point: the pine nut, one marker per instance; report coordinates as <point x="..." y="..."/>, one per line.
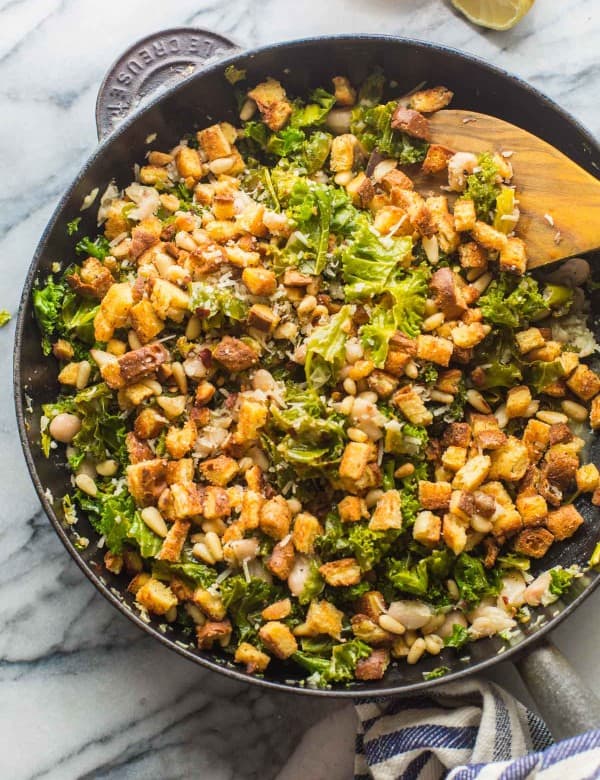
<point x="107" y="468"/>
<point x="154" y="520"/>
<point x="474" y="273"/>
<point x="217" y="526"/>
<point x="433" y="321"/>
<point x="410" y="637"/>
<point x="405" y="470"/>
<point x="64" y="427"/>
<point x="431" y="307"/>
<point x="294" y="505"/>
<point x="85" y="483"/>
<point x="193" y="328"/>
<point x="575" y="411"/>
<point x="213" y="544"/>
<point x="306" y="305"/>
<point x="83" y="374"/>
<point x="195" y="613"/>
<point x="432" y="625"/>
<point x="481" y="525"/>
<point x="411" y="369"/>
<point x="452" y="589"/>
<point x="201" y="551"/>
<point x="247" y="110"/>
<point x="172" y="406"/>
<point x="133" y="340"/>
<point x="434" y="644"/>
<point x="388" y="623"/>
<point x="482" y="282"/>
<point x="416" y="651"/>
<point x="221" y="165"/>
<point x="153" y="385"/>
<point x="286" y="331"/>
<point x="349" y="386"/>
<point x="477" y="401"/>
<point x="179" y="376"/>
<point x="373" y="497"/>
<point x="552" y="418"/>
<point x="501" y="416"/>
<point x="343" y="178"/>
<point x="345" y="405"/>
<point x="442" y="398"/>
<point x="171" y="614"/>
<point x="532" y="408"/>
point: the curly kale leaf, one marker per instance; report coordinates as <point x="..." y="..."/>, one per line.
<point x="483" y="186"/>
<point x="47" y="307"/>
<point x="215" y="305"/>
<point x="458" y="638"/>
<point x="512" y="302"/>
<point x="339" y="667"/>
<point x="315" y="111"/>
<point x="560" y="580"/>
<point x="196" y="573"/>
<point x="244" y="601"/>
<point x="473" y="582"/>
<point x="373" y="127"/>
<point x="98" y="248"/>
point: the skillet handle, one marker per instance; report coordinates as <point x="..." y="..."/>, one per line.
<point x="151" y="64"/>
<point x="564" y="700"/>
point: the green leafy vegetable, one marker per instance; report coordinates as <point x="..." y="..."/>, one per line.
<point x="408" y="577"/>
<point x="99" y="248"/>
<point x="244" y="601"/>
<point x="313" y="585"/>
<point x="483" y="186"/>
<point x="370" y="547"/>
<point x="514" y="561"/>
<point x="197" y="573"/>
<point x="458" y="638"/>
<point x="338" y="668"/>
<point x="595" y="557"/>
<point x="315" y="112"/>
<point x="234" y="75"/>
<point x="73" y="226"/>
<point x="4" y="317"/>
<point x="512" y="302"/>
<point x="436" y="673"/>
<point x="286" y="142"/>
<point x="47" y="306"/>
<point x="371" y="90"/>
<point x="325" y="349"/>
<point x="472" y="580"/>
<point x="539" y="374"/>
<point x="372" y="125"/>
<point x="214" y="305"/>
<point x="560" y="580"/>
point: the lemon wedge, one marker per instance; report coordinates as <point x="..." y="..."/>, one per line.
<point x="495" y="14"/>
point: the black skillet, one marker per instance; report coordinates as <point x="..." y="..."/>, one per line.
<point x="189" y="99"/>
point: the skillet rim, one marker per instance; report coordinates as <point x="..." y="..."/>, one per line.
<point x="19" y="381"/>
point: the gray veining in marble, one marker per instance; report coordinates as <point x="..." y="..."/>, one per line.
<point x="83" y="694"/>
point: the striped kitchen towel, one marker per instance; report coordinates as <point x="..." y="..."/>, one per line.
<point x="466" y="730"/>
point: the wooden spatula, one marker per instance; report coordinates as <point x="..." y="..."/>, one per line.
<point x="559" y="201"/>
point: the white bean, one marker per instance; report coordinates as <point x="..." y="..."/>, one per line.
<point x="412" y="614"/>
<point x="64" y="427"/>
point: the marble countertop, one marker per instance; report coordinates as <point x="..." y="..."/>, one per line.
<point x="83" y="693"/>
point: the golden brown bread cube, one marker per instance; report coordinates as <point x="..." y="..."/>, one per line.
<point x="306" y="529"/>
<point x="340" y="573"/>
<point x="259" y="281"/>
<point x="321" y="618"/>
<point x="434" y="495"/>
<point x="355" y="458"/>
<point x="595" y="414"/>
<point x="156" y="597"/>
<point x="471" y="255"/>
<point x="278" y="639"/>
<point x="254" y="659"/>
<point x="473" y="473"/>
<point x="388" y="512"/>
<point x="270" y="97"/>
<point x="434" y="349"/>
<point x="214" y="142"/>
<point x="588" y="478"/>
<point x="278" y="610"/>
<point x="532" y="508"/>
<point x="114" y="311"/>
<point x="179" y="471"/>
<point x="448" y="294"/>
<point x="427" y="528"/>
<point x="464" y="215"/>
<point x="252" y="416"/>
<point x="174" y="541"/>
<point x="146" y="323"/>
<point x="533" y="542"/>
<point x="360" y="190"/>
<point x="432" y="99"/>
<point x="489" y="237"/>
<point x="275" y="517"/>
<point x="454" y="531"/>
<point x="584" y="382"/>
<point x="345" y="94"/>
<point x="529" y="339"/>
<point x="210" y="603"/>
<point x="281" y="561"/>
<point x="179" y="441"/>
<point x="454" y="458"/>
<point x="563" y="522"/>
<point x="147" y="480"/>
<point x="235" y="355"/>
<point x="352" y="509"/>
<point x="412" y="406"/>
<point x="220" y="470"/>
<point x="510" y="462"/>
<point x="517" y="401"/>
<point x="436" y="159"/>
<point x="513" y="257"/>
<point x="342" y="152"/>
<point x="536" y="437"/>
<point x="189" y="164"/>
<point x="149" y="423"/>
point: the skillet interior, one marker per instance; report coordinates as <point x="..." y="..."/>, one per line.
<point x="207" y="97"/>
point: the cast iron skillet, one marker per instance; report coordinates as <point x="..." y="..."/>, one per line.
<point x="205" y="97"/>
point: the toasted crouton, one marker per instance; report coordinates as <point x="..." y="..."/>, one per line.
<point x="352" y="509"/>
<point x="434" y="349"/>
<point x="210" y="603"/>
<point x="532" y="508"/>
<point x="427" y="529"/>
<point x="488" y="237"/>
<point x="214" y="142"/>
<point x="343" y="148"/>
<point x="446" y="288"/>
<point x="373" y="667"/>
<point x="588" y="478"/>
<point x="584" y="382"/>
<point x="114" y="311"/>
<point x="454" y="531"/>
<point x="281" y="561"/>
<point x="434" y="495"/>
<point x="436" y="159"/>
<point x="340" y="573"/>
<point x="213" y="631"/>
<point x="412" y="406"/>
<point x="321" y="618"/>
<point x="454" y="458"/>
<point x="563" y="522"/>
<point x="149" y="424"/>
<point x="235" y="355"/>
<point x="473" y="473"/>
<point x="464" y="215"/>
<point x="279" y="610"/>
<point x="457" y="435"/>
<point x="354" y="459"/>
<point x="345" y="94"/>
<point x="147" y="480"/>
<point x="429" y="100"/>
<point x="388" y="512"/>
<point x="189" y="164"/>
<point x="529" y="339"/>
<point x="471" y="255"/>
<point x="179" y="441"/>
<point x="595" y="414"/>
<point x="259" y="281"/>
<point x="270" y="97"/>
<point x="156" y="597"/>
<point x="468" y="336"/>
<point x="174" y="541"/>
<point x="510" y="462"/>
<point x="275" y="517"/>
<point x="220" y="470"/>
<point x="278" y="639"/>
<point x="534" y="542"/>
<point x="513" y="258"/>
<point x="536" y="437"/>
<point x="145" y="321"/>
<point x="306" y="529"/>
<point x="517" y="401"/>
<point x="186" y="499"/>
<point x="94" y="279"/>
<point x="179" y="471"/>
<point x="254" y="659"/>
